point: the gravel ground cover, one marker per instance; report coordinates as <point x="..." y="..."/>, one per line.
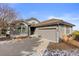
<point x="58" y="52"/>
<point x="61" y="49"/>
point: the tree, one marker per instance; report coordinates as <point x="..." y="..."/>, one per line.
<point x="7" y="15"/>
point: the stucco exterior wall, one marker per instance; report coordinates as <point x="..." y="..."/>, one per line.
<point x="63" y="30"/>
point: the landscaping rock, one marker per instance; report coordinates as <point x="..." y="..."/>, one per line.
<point x="62" y="53"/>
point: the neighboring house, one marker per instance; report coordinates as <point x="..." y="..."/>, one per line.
<point x="32" y="20"/>
<point x="53" y="29"/>
<point x="23" y="27"/>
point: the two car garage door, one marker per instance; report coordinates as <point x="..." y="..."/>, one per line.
<point x="48" y="33"/>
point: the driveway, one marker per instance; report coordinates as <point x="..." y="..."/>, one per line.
<point x="18" y="48"/>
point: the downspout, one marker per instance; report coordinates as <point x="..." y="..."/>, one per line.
<point x="58" y="34"/>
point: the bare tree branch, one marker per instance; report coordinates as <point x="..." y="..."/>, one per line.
<point x="7" y="13"/>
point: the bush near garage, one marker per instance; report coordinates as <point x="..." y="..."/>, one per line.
<point x="76" y="35"/>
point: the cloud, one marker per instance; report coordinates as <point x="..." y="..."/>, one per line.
<point x="50" y="17"/>
<point x="67" y="17"/>
<point x="73" y="17"/>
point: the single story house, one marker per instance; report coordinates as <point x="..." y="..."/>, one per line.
<point x="52" y="29"/>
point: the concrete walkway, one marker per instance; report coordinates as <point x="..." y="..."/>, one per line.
<point x="42" y="47"/>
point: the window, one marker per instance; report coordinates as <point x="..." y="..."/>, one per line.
<point x="33" y="22"/>
<point x="68" y="30"/>
<point x="21" y="29"/>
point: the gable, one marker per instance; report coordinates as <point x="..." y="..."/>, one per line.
<point x="33" y="22"/>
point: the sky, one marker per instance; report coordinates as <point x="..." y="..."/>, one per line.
<point x="43" y="11"/>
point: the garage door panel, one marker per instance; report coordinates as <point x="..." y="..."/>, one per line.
<point x="48" y="34"/>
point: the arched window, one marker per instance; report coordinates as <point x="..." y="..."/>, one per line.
<point x="22" y="28"/>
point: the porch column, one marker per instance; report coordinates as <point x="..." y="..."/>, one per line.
<point x="28" y="30"/>
<point x="21" y="30"/>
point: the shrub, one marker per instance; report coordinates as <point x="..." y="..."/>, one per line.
<point x="3" y="31"/>
<point x="76" y="35"/>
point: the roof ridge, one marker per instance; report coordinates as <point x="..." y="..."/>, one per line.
<point x="32" y="18"/>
